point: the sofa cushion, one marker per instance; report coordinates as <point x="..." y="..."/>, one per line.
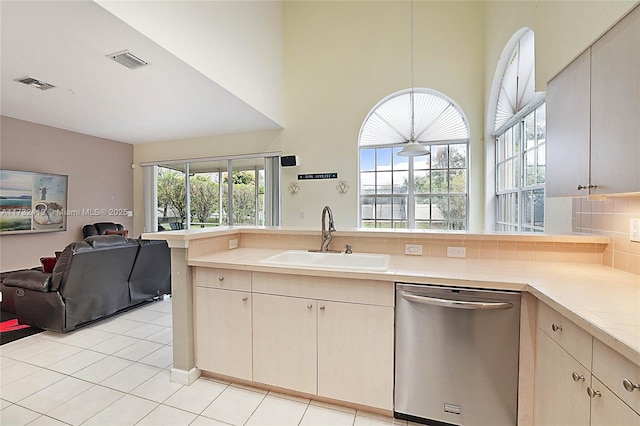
<point x="102" y="227"/>
<point x="104" y="241"/>
<point x="30" y="280"/>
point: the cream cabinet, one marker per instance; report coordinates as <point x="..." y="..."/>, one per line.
<point x="578" y="379"/>
<point x="615" y="375"/>
<point x="285" y="342"/>
<point x="355" y="353"/>
<point x="559" y="399"/>
<point x="223" y="322"/>
<point x="615" y="108"/>
<point x="607" y="409"/>
<point x="568" y="129"/>
<point x="324" y="336"/>
<point x="593" y="107"/>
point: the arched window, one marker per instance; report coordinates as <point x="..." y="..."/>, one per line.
<point x="520" y="137"/>
<point x="423" y="192"/>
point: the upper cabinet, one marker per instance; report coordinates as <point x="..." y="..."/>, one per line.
<point x="615" y="108"/>
<point x="593" y="117"/>
<point x="568" y="124"/>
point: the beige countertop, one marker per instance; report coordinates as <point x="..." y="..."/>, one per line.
<point x="602" y="300"/>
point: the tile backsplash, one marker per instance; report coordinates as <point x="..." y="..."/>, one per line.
<point x="611" y="217"/>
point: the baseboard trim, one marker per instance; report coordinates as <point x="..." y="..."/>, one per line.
<point x="184" y="377"/>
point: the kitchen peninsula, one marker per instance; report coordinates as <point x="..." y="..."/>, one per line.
<point x="557" y="275"/>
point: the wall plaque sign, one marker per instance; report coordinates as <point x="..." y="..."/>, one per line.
<point x="309" y="176"/>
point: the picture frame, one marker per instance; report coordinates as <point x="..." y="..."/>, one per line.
<point x="32" y="202"/>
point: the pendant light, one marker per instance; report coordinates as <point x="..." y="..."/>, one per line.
<point x="413" y="148"/>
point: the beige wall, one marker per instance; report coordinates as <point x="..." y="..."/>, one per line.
<point x="100" y="177"/>
<point x="611" y="217"/>
<point x="341" y="58"/>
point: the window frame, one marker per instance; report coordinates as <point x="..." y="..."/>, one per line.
<point x="410" y="208"/>
<point x="270" y="213"/>
<point x="439" y="121"/>
<point x="519" y="220"/>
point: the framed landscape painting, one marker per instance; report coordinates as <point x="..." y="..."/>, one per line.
<point x="32" y="202"/>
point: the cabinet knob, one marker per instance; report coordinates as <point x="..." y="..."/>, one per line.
<point x="221" y="278"/>
<point x="630" y="386"/>
<point x="244" y="299"/>
<point x="577" y="377"/>
<point x="322" y="308"/>
<point x="592" y="392"/>
<point x="556" y="327"/>
<point x="590" y="186"/>
<point x="309" y="306"/>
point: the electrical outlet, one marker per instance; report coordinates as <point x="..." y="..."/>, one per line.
<point x="456" y="252"/>
<point x="634" y="230"/>
<point x="233" y="243"/>
<point x="413" y="249"/>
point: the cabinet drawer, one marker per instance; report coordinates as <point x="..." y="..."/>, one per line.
<point x="335" y="289"/>
<point x="607" y="409"/>
<point x="612" y="369"/>
<point x="230" y="279"/>
<point x="572" y="338"/>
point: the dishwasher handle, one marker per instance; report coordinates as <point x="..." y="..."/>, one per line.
<point x="457" y="304"/>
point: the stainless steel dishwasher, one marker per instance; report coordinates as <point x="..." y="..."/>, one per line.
<point x="456" y="355"/>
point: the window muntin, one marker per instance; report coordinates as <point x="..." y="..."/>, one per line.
<point x="520" y="174"/>
<point x="432" y="188"/>
<point x="425" y="192"/>
<point x="520" y="132"/>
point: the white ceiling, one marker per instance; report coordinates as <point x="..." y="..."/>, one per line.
<point x="65" y="42"/>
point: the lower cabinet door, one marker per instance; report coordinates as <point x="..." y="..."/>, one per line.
<point x="284" y="342"/>
<point x="559" y="399"/>
<point x="355" y="353"/>
<point x="607" y="409"/>
<point x="223" y="332"/>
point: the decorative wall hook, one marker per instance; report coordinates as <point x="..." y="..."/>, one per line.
<point x="294" y="188"/>
<point x="342" y="187"/>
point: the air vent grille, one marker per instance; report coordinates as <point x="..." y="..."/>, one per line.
<point x="128" y="59"/>
<point x="34" y="82"/>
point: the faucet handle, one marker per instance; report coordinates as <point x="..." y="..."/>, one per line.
<point x="347" y="249"/>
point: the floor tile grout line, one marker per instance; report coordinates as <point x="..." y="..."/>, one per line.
<point x="305" y="412"/>
<point x="93" y="384"/>
<point x="91" y="349"/>
<point x="79" y="378"/>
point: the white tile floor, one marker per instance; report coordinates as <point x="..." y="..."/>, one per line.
<point x="116" y="372"/>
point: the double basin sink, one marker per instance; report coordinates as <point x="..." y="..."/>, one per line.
<point x="331" y="261"/>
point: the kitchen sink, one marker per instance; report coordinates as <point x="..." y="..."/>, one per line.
<point x="321" y="260"/>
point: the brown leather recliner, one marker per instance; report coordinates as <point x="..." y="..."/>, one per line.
<point x="100" y="228"/>
<point x="92" y="279"/>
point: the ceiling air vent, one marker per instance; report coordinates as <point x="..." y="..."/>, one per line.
<point x="127" y="59"/>
<point x="34" y="82"/>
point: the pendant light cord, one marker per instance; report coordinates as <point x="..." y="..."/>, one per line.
<point x="413" y="114"/>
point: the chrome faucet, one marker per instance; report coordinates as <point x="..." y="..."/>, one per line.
<point x="326" y="233"/>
